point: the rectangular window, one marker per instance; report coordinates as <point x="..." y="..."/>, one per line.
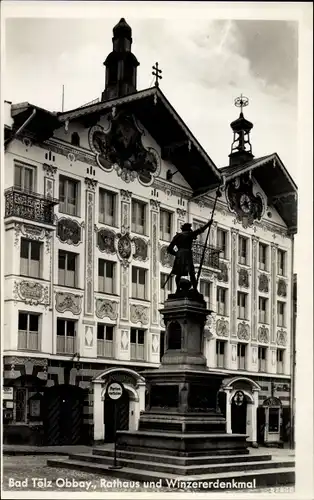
<point x="281" y="309"/>
<point x="137" y="344"/>
<point x="205" y="290"/>
<point x="68" y="195"/>
<point x="106" y="276"/>
<point x="66" y="336"/>
<point x="28" y="331"/>
<point x="196" y="225"/>
<point x="105" y="340"/>
<point x="221" y="301"/>
<point x="139" y="287"/>
<point x="262" y="359"/>
<point x="30" y="257"/>
<point x="165" y="225"/>
<point x="243" y="250"/>
<point x="107" y="207"/>
<point x="241" y="352"/>
<point x="222" y="243"/>
<point x="280" y="361"/>
<point x="67" y="269"/>
<point x="242" y="305"/>
<point x="24" y="177"/>
<point x="220" y="353"/>
<point x="281" y="262"/>
<point x="262" y="310"/>
<point x="138" y="217"/>
<point x="164" y="291"/>
<point x="262" y="256"/>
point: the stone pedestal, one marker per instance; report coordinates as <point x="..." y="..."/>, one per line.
<point x="182" y="416"/>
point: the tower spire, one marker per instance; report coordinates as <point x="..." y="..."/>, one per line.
<point x="121" y="64"/>
<point x="241" y="148"/>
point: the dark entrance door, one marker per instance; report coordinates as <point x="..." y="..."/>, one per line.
<point x="260" y="422"/>
<point x="238" y="413"/>
<point x="122" y="415"/>
<point x="63" y="415"/>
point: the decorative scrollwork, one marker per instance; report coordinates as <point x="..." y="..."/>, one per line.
<point x="124" y="246"/>
<point x="282" y="337"/>
<point x="141" y="249"/>
<point x="243" y="331"/>
<point x="263" y="334"/>
<point x="106" y="308"/>
<point x="165" y="258"/>
<point x="69" y="231"/>
<point x="106" y="241"/>
<point x="222" y="328"/>
<point x="139" y="314"/>
<point x="243" y="278"/>
<point x="282" y="288"/>
<point x="263" y="283"/>
<point x="68" y="302"/>
<point x="31" y="293"/>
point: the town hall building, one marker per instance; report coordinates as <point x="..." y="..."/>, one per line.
<point x="93" y="197"/>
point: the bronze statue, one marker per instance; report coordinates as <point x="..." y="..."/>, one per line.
<point x="183" y="264"/>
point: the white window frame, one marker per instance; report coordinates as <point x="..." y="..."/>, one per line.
<point x="281" y="318"/>
<point x="26" y="343"/>
<point x="105" y="207"/>
<point x="221" y="305"/>
<point x="242" y="309"/>
<point x="241" y="360"/>
<point x="138" y="223"/>
<point x="65" y="281"/>
<point x="137" y="348"/>
<point x="104" y="280"/>
<point x="105" y="346"/>
<point x="221" y="357"/>
<point x="262" y="360"/>
<point x="243" y="255"/>
<point x="136" y="290"/>
<point x="24" y="167"/>
<point x="222" y="245"/>
<point x="28" y="265"/>
<point x="262" y="313"/>
<point x="66" y="343"/>
<point x="65" y="206"/>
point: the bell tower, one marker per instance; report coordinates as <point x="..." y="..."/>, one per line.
<point x="121" y="64"/>
<point x="241" y="148"/>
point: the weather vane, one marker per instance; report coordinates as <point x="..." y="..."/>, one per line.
<point x="157" y="73"/>
<point x="241" y="102"/>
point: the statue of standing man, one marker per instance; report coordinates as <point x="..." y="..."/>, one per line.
<point x="181" y="248"/>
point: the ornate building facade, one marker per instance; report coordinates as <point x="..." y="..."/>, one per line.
<point x="93" y="197"/>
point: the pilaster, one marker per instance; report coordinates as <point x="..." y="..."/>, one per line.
<point x="154" y="265"/>
<point x="233" y="282"/>
<point x="89" y="246"/>
<point x="254" y="310"/>
<point x="273" y="293"/>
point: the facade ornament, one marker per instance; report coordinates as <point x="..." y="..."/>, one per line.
<point x="90" y="184"/>
<point x="243" y="278"/>
<point x="68" y="302"/>
<point x="263" y="335"/>
<point x="139" y="314"/>
<point x="263" y="283"/>
<point x="141" y="249"/>
<point x="166" y="259"/>
<point x="69" y="231"/>
<point x="49" y="170"/>
<point x="181" y="213"/>
<point x="106" y="308"/>
<point x="125" y="195"/>
<point x="155" y="204"/>
<point x="282" y="337"/>
<point x="243" y="331"/>
<point x="282" y="288"/>
<point x="71" y="157"/>
<point x="106" y="240"/>
<point x="222" y="328"/>
<point x="246" y="205"/>
<point x="124" y="247"/>
<point x="31" y="293"/>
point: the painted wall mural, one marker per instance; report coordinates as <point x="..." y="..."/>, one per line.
<point x="243" y="331"/>
<point x="263" y="283"/>
<point x="243" y="278"/>
<point x="246" y="205"/>
<point x="106" y="240"/>
<point x="263" y="335"/>
<point x="68" y="302"/>
<point x="106" y="308"/>
<point x="69" y="231"/>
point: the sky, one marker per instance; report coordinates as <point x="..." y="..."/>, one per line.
<point x="206" y="64"/>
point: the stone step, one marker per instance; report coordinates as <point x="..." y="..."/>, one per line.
<point x="177" y="460"/>
<point x="180" y="454"/>
<point x="180" y="469"/>
<point x="259" y="478"/>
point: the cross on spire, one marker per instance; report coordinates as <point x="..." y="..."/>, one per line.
<point x="241" y="102"/>
<point x="157" y="74"/>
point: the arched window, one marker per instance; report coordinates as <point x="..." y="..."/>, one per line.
<point x="75" y="139"/>
<point x="174" y="335"/>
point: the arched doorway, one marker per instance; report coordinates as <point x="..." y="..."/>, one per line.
<point x="122" y="415"/>
<point x="131" y="403"/>
<point x="238" y="413"/>
<point x="63" y="415"/>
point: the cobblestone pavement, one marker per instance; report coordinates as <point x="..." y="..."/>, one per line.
<point x="20" y="473"/>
